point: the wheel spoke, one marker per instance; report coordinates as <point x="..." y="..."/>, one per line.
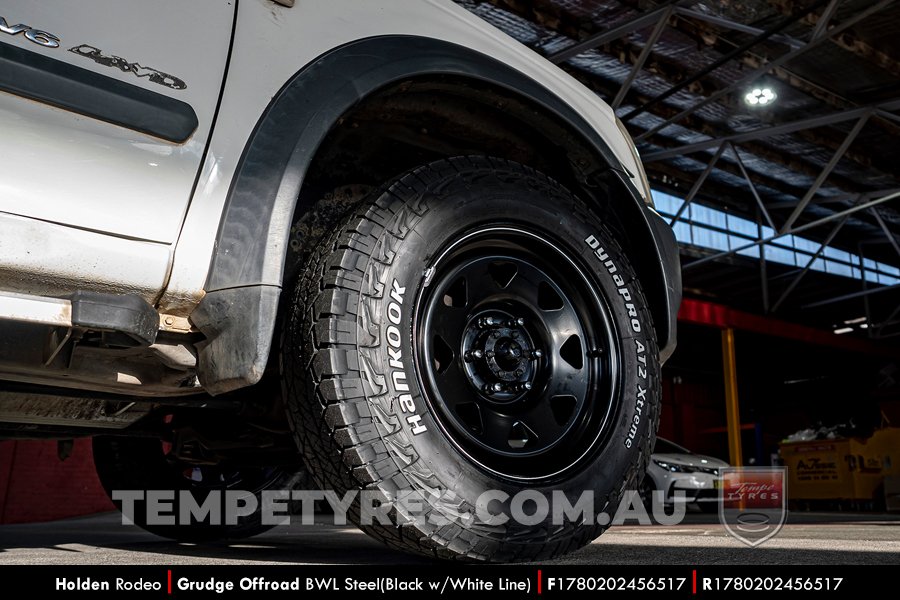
<point x="453" y="386"/>
<point x="502" y="272"/>
<point x="485" y="280"/>
<point x="448" y="323"/>
<point x="561" y="325"/>
<point x="524" y="286"/>
<point x="549" y="298"/>
<point x="471" y="415"/>
<point x="443" y="355"/>
<point x="567" y="380"/>
<point x="541" y="420"/>
<point x="497" y="428"/>
<point x="457" y="294"/>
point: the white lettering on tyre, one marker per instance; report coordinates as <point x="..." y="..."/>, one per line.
<point x="622" y="290"/>
<point x="395" y="360"/>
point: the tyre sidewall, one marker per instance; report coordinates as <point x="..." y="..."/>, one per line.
<point x="429" y="220"/>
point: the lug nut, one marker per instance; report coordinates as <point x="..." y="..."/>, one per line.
<point x="487" y="389"/>
<point x="527" y="385"/>
<point x="519" y="372"/>
<point x="537" y="353"/>
<point x="498" y="387"/>
<point x="473" y="354"/>
<point x="520" y="321"/>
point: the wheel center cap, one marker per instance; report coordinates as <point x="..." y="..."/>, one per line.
<point x="500" y="356"/>
<point x="504" y="356"/>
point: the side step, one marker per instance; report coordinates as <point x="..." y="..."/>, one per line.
<point x="126" y="313"/>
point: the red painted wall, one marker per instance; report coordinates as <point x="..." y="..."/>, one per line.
<point x="36" y="486"/>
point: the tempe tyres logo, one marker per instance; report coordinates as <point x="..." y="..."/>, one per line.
<point x="753" y="503"/>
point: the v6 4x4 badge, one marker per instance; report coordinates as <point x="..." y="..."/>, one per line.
<point x="96" y="55"/>
<point x="42" y="38"/>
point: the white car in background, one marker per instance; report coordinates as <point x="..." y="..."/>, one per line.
<point x="675" y="469"/>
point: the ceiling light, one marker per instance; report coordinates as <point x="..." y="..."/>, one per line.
<point x="760" y="96"/>
<point x="855" y="321"/>
<point x="843" y="330"/>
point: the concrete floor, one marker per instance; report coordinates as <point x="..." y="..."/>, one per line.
<point x="808" y="538"/>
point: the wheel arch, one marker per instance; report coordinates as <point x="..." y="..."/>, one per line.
<point x="282" y="166"/>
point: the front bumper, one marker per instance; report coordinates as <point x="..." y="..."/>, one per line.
<point x="696" y="487"/>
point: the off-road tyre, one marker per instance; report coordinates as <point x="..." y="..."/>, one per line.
<point x="355" y="359"/>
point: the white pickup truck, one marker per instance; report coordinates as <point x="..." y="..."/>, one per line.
<point x="377" y="238"/>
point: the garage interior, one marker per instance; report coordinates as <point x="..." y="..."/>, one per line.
<point x="769" y="132"/>
<point x="768" y="129"/>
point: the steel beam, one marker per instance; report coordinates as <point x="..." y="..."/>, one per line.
<point x="698" y="184"/>
<point x="604" y="37"/>
<point x="793" y="231"/>
<point x="855" y="197"/>
<point x="838" y="155"/>
<point x="796" y="281"/>
<point x="891" y="320"/>
<point x="823" y="21"/>
<point x="722" y="60"/>
<point x="735" y="26"/>
<point x="642" y="58"/>
<point x="887" y="232"/>
<point x="763" y="266"/>
<point x="867" y="306"/>
<point x="888" y="115"/>
<point x="862" y="294"/>
<point x="756" y="196"/>
<point x="764" y="132"/>
<point x="777" y="62"/>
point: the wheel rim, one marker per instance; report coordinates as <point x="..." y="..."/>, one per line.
<point x="515" y="353"/>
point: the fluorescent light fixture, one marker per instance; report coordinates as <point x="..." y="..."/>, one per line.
<point x="843" y="330"/>
<point x="855" y="321"/>
<point x="760" y="96"/>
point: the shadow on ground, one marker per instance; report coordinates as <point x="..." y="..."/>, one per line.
<point x="102" y="539"/>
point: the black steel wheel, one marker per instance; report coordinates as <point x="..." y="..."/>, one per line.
<point x="473" y="329"/>
<point x="517" y="357"/>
